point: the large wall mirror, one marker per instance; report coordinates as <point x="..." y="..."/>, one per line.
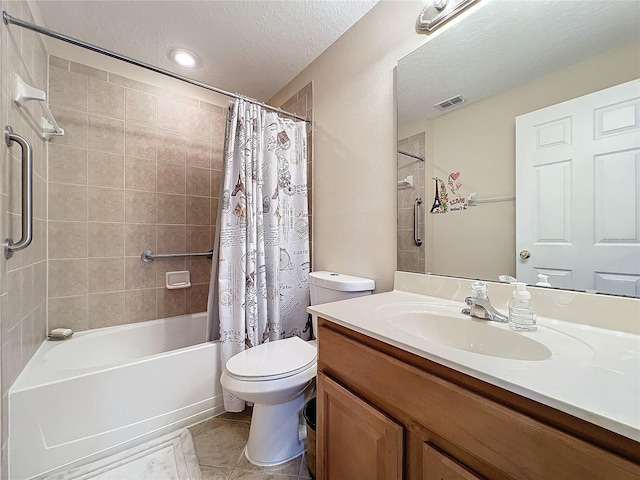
<point x="519" y="146"/>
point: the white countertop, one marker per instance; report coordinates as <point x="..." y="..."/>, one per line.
<point x="593" y="373"/>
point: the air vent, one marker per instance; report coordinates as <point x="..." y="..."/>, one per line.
<point x="450" y="102"/>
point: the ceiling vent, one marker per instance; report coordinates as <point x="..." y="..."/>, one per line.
<point x="450" y="102"/>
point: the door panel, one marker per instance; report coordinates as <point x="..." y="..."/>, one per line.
<point x="578" y="192"/>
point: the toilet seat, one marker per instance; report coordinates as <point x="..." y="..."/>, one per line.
<point x="272" y="360"/>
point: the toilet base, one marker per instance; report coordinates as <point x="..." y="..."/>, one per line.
<point x="273" y="435"/>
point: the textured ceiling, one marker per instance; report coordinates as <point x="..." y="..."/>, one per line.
<point x="507" y="43"/>
<point x="251" y="47"/>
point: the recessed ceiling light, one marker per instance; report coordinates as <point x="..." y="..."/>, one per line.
<point x="183" y="57"/>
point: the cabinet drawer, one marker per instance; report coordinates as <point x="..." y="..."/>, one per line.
<point x="438" y="466"/>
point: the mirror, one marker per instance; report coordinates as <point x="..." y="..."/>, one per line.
<point x="503" y="61"/>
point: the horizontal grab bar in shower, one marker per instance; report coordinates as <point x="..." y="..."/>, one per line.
<point x="411" y="155"/>
<point x="149" y="256"/>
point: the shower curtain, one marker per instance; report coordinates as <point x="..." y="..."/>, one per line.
<point x="259" y="282"/>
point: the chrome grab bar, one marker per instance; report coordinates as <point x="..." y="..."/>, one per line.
<point x="148" y="256"/>
<point x="416" y="204"/>
<point x="27" y="192"/>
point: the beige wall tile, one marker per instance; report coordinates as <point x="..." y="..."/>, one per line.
<point x="106" y="309"/>
<point x="88" y="71"/>
<point x="171" y="209"/>
<point x="28" y="290"/>
<point x="67" y="239"/>
<point x="171" y="115"/>
<point x="33" y="332"/>
<point x="200" y="268"/>
<point x="106" y="99"/>
<point x="172" y="147"/>
<point x="168" y="265"/>
<point x="216" y="182"/>
<point x="139" y="238"/>
<point x="68" y="89"/>
<point x="106" y="239"/>
<point x="67" y="202"/>
<point x="210" y="107"/>
<point x="171" y="178"/>
<point x="198" y="123"/>
<point x="141" y="108"/>
<point x="171" y="302"/>
<point x="124" y="81"/>
<point x="140" y="174"/>
<point x="198" y="152"/>
<point x="106" y="204"/>
<point x="68" y="312"/>
<point x="172" y="239"/>
<point x="140" y="305"/>
<point x="67" y="277"/>
<point x="76" y="127"/>
<point x="139" y="274"/>
<point x="106" y="274"/>
<point x="140" y="141"/>
<point x="198" y="210"/>
<point x="198" y="239"/>
<point x="106" y="169"/>
<point x="67" y="164"/>
<point x="106" y="134"/>
<point x="198" y="181"/>
<point x="214" y="211"/>
<point x="197" y="296"/>
<point x="140" y="207"/>
<point x="58" y="62"/>
<point x="13" y="313"/>
<point x="11" y="357"/>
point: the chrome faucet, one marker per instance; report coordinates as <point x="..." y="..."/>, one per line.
<point x="480" y="305"/>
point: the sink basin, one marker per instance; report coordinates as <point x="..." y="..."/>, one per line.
<point x="445" y="325"/>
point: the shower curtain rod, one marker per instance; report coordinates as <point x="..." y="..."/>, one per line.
<point x="50" y="33"/>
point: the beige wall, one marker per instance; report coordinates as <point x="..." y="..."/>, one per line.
<point x="23" y="277"/>
<point x="479" y="141"/>
<point x="139" y="168"/>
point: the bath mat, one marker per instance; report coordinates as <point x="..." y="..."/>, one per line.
<point x="171" y="457"/>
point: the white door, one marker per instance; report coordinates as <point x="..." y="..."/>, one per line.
<point x="578" y="192"/>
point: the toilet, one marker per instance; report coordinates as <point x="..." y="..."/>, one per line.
<point x="277" y="377"/>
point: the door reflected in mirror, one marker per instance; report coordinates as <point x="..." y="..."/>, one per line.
<point x="509" y="59"/>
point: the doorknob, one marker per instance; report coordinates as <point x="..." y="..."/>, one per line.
<point x="524" y="254"/>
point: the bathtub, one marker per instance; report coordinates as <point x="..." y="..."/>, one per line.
<point x="109" y="389"/>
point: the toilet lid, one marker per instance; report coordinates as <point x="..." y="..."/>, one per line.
<point x="272" y="360"/>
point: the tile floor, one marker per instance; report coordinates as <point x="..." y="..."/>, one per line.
<point x="220" y="443"/>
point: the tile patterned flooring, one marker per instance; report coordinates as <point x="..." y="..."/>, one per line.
<point x="220" y="443"/>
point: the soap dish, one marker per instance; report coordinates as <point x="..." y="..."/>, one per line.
<point x="60" y="334"/>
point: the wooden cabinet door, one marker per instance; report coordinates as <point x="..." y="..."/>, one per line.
<point x="355" y="440"/>
<point x="438" y="466"/>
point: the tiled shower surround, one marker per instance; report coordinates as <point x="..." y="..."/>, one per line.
<point x="139" y="168"/>
<point x="411" y="258"/>
<point x="23" y="279"/>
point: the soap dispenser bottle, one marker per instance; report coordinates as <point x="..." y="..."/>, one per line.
<point x="522" y="316"/>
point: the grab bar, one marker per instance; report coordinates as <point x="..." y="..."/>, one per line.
<point x="148" y="256"/>
<point x="27" y="192"/>
<point x="416" y="204"/>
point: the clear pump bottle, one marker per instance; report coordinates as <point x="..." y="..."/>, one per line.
<point x="522" y="316"/>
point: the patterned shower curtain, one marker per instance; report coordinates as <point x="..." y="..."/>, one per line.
<point x="261" y="289"/>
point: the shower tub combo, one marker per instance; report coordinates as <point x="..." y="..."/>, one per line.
<point x="109" y="389"/>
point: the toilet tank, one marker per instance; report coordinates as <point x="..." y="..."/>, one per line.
<point x="328" y="287"/>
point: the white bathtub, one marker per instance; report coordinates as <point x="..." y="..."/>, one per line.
<point x="109" y="389"/>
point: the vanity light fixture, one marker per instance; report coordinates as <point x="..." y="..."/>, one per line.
<point x="183" y="57"/>
<point x="438" y="12"/>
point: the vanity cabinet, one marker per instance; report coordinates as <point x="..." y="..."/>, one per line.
<point x="384" y="413"/>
